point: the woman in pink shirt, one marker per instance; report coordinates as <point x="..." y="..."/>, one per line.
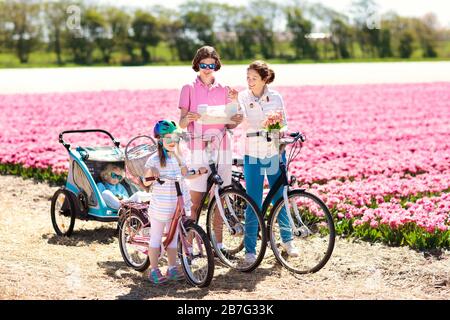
<point x="205" y="90"/>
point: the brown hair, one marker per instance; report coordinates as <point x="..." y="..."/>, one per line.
<point x="162" y="154"/>
<point x="266" y="73"/>
<point x="204" y="53"/>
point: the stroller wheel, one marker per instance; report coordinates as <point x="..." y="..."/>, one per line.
<point x="83" y="205"/>
<point x="63" y="212"/>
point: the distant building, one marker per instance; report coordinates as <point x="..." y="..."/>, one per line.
<point x="283" y="36"/>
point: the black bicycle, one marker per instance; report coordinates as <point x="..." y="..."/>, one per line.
<point x="225" y="219"/>
<point x="298" y="216"/>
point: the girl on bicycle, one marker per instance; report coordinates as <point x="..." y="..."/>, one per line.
<point x="261" y="156"/>
<point x="207" y="91"/>
<point x="167" y="161"/>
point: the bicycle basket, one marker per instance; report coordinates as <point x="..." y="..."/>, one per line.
<point x="137" y="153"/>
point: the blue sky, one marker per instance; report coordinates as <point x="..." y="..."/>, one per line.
<point x="404" y="7"/>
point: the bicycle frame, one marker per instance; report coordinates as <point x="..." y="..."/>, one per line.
<point x="178" y="221"/>
<point x="283" y="182"/>
<point x="215" y="183"/>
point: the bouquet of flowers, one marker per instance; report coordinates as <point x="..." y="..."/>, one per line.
<point x="273" y="121"/>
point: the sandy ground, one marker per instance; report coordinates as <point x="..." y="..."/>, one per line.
<point x="174" y="77"/>
<point x="37" y="264"/>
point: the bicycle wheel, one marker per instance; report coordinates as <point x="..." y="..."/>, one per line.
<point x="133" y="241"/>
<point x="62" y="212"/>
<point x="313" y="234"/>
<point x="196" y="255"/>
<point x="245" y="222"/>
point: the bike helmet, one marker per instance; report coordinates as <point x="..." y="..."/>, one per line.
<point x="164" y="127"/>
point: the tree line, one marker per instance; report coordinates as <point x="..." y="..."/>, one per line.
<point x="74" y="30"/>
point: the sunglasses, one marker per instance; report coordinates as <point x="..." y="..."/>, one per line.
<point x="116" y="176"/>
<point x="169" y="140"/>
<point x="211" y="66"/>
<point x="163" y="121"/>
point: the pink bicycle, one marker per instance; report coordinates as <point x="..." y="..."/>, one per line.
<point x="194" y="250"/>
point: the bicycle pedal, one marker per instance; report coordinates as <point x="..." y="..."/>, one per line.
<point x="227" y="255"/>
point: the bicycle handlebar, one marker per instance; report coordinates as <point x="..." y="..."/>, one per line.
<point x="205" y="137"/>
<point x="178" y="178"/>
<point x="294" y="135"/>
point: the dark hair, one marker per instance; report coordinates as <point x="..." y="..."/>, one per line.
<point x="204" y="53"/>
<point x="266" y="73"/>
<point x="161" y="154"/>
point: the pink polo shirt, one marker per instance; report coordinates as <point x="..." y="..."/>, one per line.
<point x="194" y="94"/>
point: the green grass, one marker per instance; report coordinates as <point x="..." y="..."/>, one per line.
<point x="162" y="56"/>
<point x="41" y="175"/>
<point x="48" y="60"/>
<point x="444" y="49"/>
<point x="408" y="234"/>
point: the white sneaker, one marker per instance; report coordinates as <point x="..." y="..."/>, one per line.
<point x="290" y="248"/>
<point x="250" y="258"/>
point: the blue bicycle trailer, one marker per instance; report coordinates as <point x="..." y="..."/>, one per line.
<point x="80" y="198"/>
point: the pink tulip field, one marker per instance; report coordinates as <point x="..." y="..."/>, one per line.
<point x="379" y="155"/>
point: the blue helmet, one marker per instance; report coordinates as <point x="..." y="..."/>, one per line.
<point x="164" y="127"/>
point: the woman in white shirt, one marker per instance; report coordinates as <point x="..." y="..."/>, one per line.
<point x="261" y="157"/>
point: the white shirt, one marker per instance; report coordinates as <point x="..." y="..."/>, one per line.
<point x="163" y="200"/>
<point x="255" y="112"/>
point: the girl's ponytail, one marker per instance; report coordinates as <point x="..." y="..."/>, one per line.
<point x="271" y="76"/>
<point x="162" y="154"/>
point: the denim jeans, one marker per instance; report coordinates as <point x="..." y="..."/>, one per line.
<point x="255" y="170"/>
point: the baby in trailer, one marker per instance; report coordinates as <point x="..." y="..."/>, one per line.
<point x="113" y="192"/>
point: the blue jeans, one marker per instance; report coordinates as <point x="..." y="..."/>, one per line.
<point x="255" y="170"/>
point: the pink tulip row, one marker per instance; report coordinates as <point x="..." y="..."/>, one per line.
<point x="363" y="160"/>
<point x="356" y="200"/>
<point x="366" y="192"/>
<point x="429" y="213"/>
<point x="354" y="133"/>
<point x="33" y="122"/>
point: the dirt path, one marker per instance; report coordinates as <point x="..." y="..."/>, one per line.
<point x="37" y="264"/>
